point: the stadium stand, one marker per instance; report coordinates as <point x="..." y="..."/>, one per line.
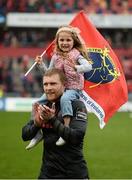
<point x="14" y="61"/>
<point x="67" y="6"/>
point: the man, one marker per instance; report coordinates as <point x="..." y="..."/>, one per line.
<point x="59" y="162"/>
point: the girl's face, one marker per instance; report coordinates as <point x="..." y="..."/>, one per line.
<point x="65" y="41"/>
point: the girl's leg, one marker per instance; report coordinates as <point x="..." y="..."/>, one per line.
<point x="66" y="109"/>
<point x="66" y="101"/>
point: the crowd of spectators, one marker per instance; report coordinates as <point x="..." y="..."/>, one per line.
<point x="16" y="37"/>
<point x="12" y="80"/>
<point x="66" y="6"/>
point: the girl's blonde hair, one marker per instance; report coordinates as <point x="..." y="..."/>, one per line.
<point x="79" y="43"/>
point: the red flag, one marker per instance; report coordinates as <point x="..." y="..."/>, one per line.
<point x="105" y="88"/>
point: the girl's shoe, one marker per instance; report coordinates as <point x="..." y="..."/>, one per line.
<point x="35" y="140"/>
<point x="60" y="142"/>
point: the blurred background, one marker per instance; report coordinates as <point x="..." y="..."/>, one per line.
<point x="28" y="26"/>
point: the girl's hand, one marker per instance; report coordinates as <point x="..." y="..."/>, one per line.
<point x="39" y="60"/>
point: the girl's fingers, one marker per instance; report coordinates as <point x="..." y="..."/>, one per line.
<point x="38" y="59"/>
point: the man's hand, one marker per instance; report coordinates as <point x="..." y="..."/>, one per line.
<point x="37" y="119"/>
<point x="46" y="113"/>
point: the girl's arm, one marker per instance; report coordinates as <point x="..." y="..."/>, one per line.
<point x="43" y="68"/>
<point x="84" y="65"/>
<point x="51" y="65"/>
<point x="41" y="65"/>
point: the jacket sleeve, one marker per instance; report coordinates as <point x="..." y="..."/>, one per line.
<point x="43" y="67"/>
<point x="51" y="65"/>
<point x="73" y="134"/>
<point x="84" y="65"/>
<point x="29" y="130"/>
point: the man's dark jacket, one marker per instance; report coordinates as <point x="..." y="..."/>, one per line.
<point x="67" y="161"/>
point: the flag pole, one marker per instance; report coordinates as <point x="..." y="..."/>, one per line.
<point x="34" y="64"/>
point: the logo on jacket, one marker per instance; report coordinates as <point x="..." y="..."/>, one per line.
<point x="104" y="70"/>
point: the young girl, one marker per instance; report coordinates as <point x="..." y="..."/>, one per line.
<point x="70" y="55"/>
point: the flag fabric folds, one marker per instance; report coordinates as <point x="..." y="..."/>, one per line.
<point x="105" y="89"/>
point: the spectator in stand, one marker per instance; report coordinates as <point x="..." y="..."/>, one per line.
<point x="101" y="7"/>
<point x="129" y="83"/>
<point x="127" y="65"/>
<point x="7" y="76"/>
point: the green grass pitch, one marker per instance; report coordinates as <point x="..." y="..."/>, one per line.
<point x="108" y="152"/>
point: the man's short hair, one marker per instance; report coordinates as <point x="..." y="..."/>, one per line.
<point x="54" y="71"/>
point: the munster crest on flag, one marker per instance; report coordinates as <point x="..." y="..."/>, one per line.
<point x="105" y="89"/>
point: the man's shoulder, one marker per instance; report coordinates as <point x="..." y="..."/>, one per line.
<point x="78" y="101"/>
<point x="79" y="110"/>
<point x="78" y="104"/>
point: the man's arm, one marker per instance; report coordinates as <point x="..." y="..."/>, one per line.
<point x="29" y="131"/>
<point x="75" y="133"/>
<point x="43" y="68"/>
<point x="32" y="127"/>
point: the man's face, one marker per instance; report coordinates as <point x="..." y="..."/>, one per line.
<point x="53" y="87"/>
